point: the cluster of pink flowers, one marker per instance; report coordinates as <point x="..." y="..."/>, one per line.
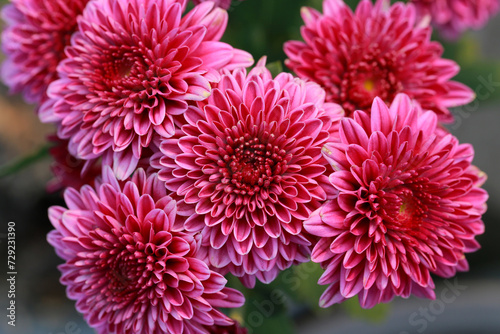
<point x="248" y="167"/>
<point x="181" y="166"/>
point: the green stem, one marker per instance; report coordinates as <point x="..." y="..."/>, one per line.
<point x="24" y="162"/>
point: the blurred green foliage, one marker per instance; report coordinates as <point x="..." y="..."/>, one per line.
<point x="293" y="296"/>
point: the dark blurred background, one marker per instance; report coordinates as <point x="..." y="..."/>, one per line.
<point x="470" y="303"/>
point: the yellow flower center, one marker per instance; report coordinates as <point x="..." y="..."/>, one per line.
<point x="369" y="85"/>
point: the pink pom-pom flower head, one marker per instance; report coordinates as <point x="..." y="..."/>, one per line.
<point x="409" y="204"/>
<point x="33" y="41"/>
<point x="376" y="51"/>
<point x="453" y="17"/>
<point x="131" y="68"/>
<point x="128" y="268"/>
<point x="249" y="169"/>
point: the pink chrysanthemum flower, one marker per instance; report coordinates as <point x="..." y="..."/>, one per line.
<point x="133" y="66"/>
<point x="453" y="17"/>
<point x="33" y="41"/>
<point x="249" y="168"/>
<point x="408" y="205"/>
<point x="220" y="3"/>
<point x="127" y="267"/>
<point x="376" y="51"/>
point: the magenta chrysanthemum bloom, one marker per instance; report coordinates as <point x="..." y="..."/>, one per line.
<point x="133" y="66"/>
<point x="33" y="41"/>
<point x="453" y="17"/>
<point x="408" y="205"/>
<point x="127" y="267"/>
<point x="220" y="3"/>
<point x="249" y="168"/>
<point x="376" y="51"/>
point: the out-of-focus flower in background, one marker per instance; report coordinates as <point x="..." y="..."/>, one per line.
<point x="33" y="41"/>
<point x="234" y="329"/>
<point x="376" y="51"/>
<point x="453" y="17"/>
<point x="69" y="171"/>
